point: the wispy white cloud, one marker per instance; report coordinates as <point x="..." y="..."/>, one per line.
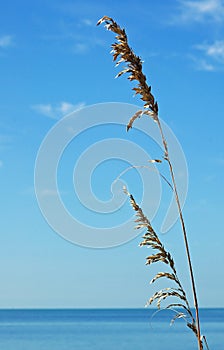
<point x="199" y="11"/>
<point x="80" y="48"/>
<point x="87" y="22"/>
<point x="211" y="57"/>
<point x="214" y="50"/>
<point x="77" y="41"/>
<point x="202" y="64"/>
<point x="57" y="111"/>
<point x="206" y="57"/>
<point x="6" y="41"/>
<point x="84" y="42"/>
<point x="79" y="35"/>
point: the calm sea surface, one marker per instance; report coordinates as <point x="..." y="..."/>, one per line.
<point x="102" y="329"/>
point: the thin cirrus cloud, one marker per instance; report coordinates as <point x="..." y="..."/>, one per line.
<point x="87" y="22"/>
<point x="209" y="56"/>
<point x="80" y="48"/>
<point x="86" y="44"/>
<point x="78" y="37"/>
<point x="199" y="11"/>
<point x="6" y="41"/>
<point x="214" y="50"/>
<point x="57" y="111"/>
<point x="202" y="64"/>
<point x="212" y="56"/>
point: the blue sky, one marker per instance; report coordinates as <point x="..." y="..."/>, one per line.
<point x="54" y="60"/>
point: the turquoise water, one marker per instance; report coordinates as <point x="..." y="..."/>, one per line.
<point x="104" y="329"/>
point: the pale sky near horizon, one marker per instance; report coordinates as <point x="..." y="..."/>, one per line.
<point x="53" y="60"/>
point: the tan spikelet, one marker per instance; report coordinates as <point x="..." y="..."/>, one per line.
<point x="123" y="53"/>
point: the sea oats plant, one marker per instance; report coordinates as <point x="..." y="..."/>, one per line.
<point x="122" y="53"/>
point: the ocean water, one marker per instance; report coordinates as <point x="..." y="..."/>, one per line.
<point x="105" y="329"/>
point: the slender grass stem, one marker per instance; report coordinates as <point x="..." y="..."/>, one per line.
<point x="122" y="50"/>
<point x="200" y="346"/>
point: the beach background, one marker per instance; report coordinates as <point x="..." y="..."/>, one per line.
<point x="104" y="329"/>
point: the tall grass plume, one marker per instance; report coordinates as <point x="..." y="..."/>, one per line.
<point x="132" y="66"/>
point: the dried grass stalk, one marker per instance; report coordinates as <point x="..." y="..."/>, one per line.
<point x="122" y="53"/>
<point x="152" y="240"/>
